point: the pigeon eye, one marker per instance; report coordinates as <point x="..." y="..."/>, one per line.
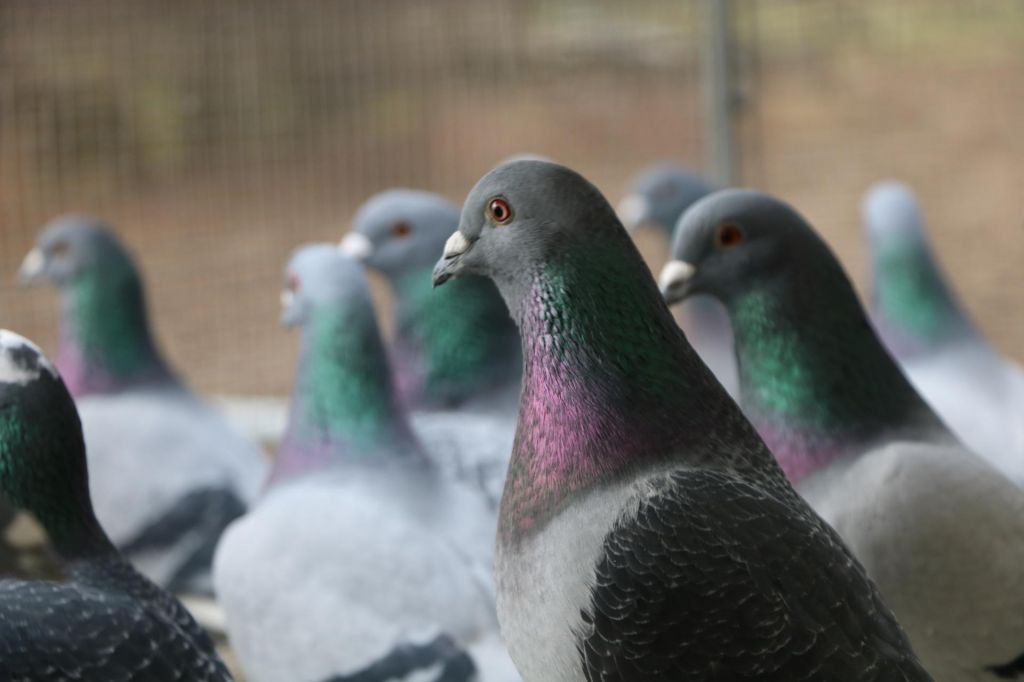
<point x="728" y="235"/>
<point x="59" y="249"/>
<point x="401" y="229"/>
<point x="499" y="211"/>
<point x="292" y="284"/>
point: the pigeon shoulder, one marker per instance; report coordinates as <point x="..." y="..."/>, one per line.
<point x="75" y="631"/>
<point x="680" y="539"/>
<point x="915" y="502"/>
<point x="334" y="556"/>
<point x="703" y="533"/>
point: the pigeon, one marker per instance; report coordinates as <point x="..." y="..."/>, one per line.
<point x="441" y="360"/>
<point x="105" y="621"/>
<point x="460" y="372"/>
<point x="979" y="393"/>
<point x="361" y="561"/>
<point x="938" y="529"/>
<point x="659" y="196"/>
<point x="167" y="474"/>
<point x="645" y="531"/>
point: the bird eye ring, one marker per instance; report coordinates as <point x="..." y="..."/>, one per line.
<point x="402" y="229"/>
<point x="728" y="235"/>
<point x="499" y="211"/>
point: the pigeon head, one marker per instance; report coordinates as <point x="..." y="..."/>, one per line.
<point x="610" y="383"/>
<point x="400" y="230"/>
<point x="913" y="305"/>
<point x="68" y="248"/>
<point x="318" y="281"/>
<point x="520" y="217"/>
<point x="815" y="380"/>
<point x="42" y="452"/>
<point x="105" y="339"/>
<point x="891" y="213"/>
<point x="343" y="407"/>
<point x="732" y="241"/>
<point x="659" y="195"/>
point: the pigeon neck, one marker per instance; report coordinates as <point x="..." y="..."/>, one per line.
<point x="610" y="388"/>
<point x="105" y="340"/>
<point x="814" y="379"/>
<point x="454" y="343"/>
<point x="343" y="408"/>
<point x="43" y="471"/>
<point x="913" y="306"/>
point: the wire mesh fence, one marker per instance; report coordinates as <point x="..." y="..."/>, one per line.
<point x="218" y="135"/>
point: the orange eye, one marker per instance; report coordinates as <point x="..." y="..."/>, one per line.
<point x="292" y="284"/>
<point x="499" y="211"/>
<point x="401" y="230"/>
<point x="728" y="235"/>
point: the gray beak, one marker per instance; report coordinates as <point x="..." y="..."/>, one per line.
<point x="31" y="270"/>
<point x="356" y="246"/>
<point x="450" y="264"/>
<point x="675" y="280"/>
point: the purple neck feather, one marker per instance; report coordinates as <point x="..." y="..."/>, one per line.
<point x="611" y="388"/>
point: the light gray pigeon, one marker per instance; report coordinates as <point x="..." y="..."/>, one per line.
<point x="645" y="531"/>
<point x="659" y="196"/>
<point x="939" y="530"/>
<point x="104" y="621"/>
<point x="361" y="561"/>
<point x="459" y="371"/>
<point x="979" y="393"/>
<point x="166" y="473"/>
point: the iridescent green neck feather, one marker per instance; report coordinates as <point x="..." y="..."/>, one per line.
<point x="454" y="343"/>
<point x="912" y="303"/>
<point x="106" y="344"/>
<point x="610" y="388"/>
<point x="815" y="380"/>
<point x="343" y="406"/>
<point x="43" y="470"/>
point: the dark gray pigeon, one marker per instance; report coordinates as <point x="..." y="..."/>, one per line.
<point x="105" y="622"/>
<point x="658" y="196"/>
<point x="979" y="393"/>
<point x="167" y="474"/>
<point x="939" y="530"/>
<point x="645" y="531"/>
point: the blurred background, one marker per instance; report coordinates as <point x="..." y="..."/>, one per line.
<point x="217" y="135"/>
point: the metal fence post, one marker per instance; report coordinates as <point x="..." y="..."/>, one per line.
<point x="718" y="88"/>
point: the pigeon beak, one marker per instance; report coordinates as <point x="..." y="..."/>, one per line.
<point x="356" y="246"/>
<point x="633" y="210"/>
<point x="288" y="312"/>
<point x="450" y="264"/>
<point x="31" y="270"/>
<point x="675" y="280"/>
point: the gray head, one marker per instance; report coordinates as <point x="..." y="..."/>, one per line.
<point x="661" y="194"/>
<point x="509" y="227"/>
<point x="736" y="240"/>
<point x="70" y="246"/>
<point x="891" y="212"/>
<point x="317" y="278"/>
<point x="400" y="230"/>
